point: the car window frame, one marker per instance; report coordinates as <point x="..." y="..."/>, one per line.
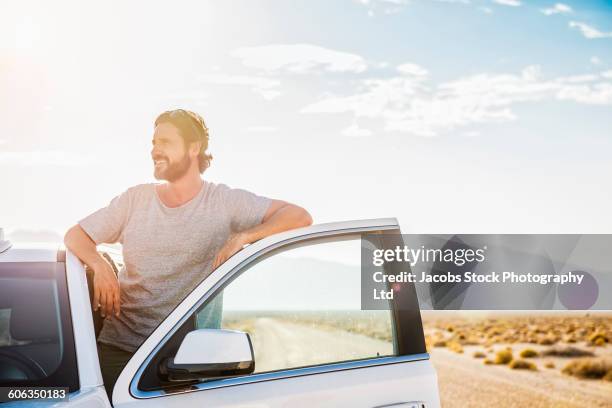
<point x="407" y="324"/>
<point x="67" y="373"/>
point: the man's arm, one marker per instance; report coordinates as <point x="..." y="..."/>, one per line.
<point x="280" y="216"/>
<point x="106" y="285"/>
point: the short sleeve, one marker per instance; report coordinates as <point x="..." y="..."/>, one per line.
<point x="246" y="209"/>
<point x="107" y="224"/>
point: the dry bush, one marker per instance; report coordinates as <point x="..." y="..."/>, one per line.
<point x="548" y="340"/>
<point x="486" y="361"/>
<point x="529" y="353"/>
<point x="479" y="354"/>
<point x="588" y="368"/>
<point x="598" y="338"/>
<point x="608" y="376"/>
<point x="522" y="365"/>
<point x="503" y="356"/>
<point x="549" y="364"/>
<point x="568" y="351"/>
<point x="455" y="346"/>
<point x="439" y="343"/>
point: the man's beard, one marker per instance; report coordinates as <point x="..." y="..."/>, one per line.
<point x="173" y="171"/>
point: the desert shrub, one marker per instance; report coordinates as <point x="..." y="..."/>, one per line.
<point x="568" y="351"/>
<point x="547" y="340"/>
<point x="598" y="338"/>
<point x="549" y="364"/>
<point x="608" y="376"/>
<point x="600" y="342"/>
<point x="486" y="361"/>
<point x="522" y="365"/>
<point x="503" y="356"/>
<point x="439" y="343"/>
<point x="529" y="353"/>
<point x="588" y="368"/>
<point x="454" y="346"/>
<point x="479" y="354"/>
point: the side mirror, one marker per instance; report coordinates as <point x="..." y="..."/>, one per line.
<point x="211" y="353"/>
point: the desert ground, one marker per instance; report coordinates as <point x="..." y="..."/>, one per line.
<point x="482" y="359"/>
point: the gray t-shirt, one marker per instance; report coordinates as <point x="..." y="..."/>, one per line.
<point x="167" y="252"/>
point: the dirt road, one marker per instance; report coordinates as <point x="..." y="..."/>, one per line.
<point x="280" y="344"/>
<point x="463" y="380"/>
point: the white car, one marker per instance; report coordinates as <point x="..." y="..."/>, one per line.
<point x="277" y="325"/>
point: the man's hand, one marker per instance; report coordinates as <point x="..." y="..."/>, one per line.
<point x="234" y="244"/>
<point x="106" y="289"/>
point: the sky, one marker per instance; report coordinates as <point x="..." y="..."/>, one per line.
<point x="453" y="116"/>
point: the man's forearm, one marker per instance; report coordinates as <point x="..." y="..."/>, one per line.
<point x="287" y="217"/>
<point x="81" y="245"/>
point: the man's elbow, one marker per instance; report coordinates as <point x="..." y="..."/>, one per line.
<point x="68" y="237"/>
<point x="305" y="219"/>
<point x="72" y="235"/>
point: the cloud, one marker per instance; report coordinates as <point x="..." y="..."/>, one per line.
<point x="558" y="8"/>
<point x="355" y="131"/>
<point x="299" y="58"/>
<point x="595" y="60"/>
<point x="412" y="69"/>
<point x="512" y="3"/>
<point x="589" y="31"/>
<point x="46" y="158"/>
<point x="412" y="105"/>
<point x="607" y="74"/>
<point x="266" y="87"/>
<point x="386" y="6"/>
<point x="261" y="129"/>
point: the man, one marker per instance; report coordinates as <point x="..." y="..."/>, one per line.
<point x="174" y="235"/>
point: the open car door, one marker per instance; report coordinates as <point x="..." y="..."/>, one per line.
<point x="279" y="325"/>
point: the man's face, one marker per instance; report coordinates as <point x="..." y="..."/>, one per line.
<point x="171" y="159"/>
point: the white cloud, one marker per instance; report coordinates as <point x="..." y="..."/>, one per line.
<point x="607" y="74"/>
<point x="261" y="129"/>
<point x="589" y="31"/>
<point x="266" y="87"/>
<point x="513" y="3"/>
<point x="579" y="78"/>
<point x="598" y="94"/>
<point x="412" y="69"/>
<point x="404" y="104"/>
<point x="486" y="10"/>
<point x="355" y="131"/>
<point x="595" y="60"/>
<point x="558" y="8"/>
<point x="386" y="6"/>
<point x="299" y="58"/>
<point x="46" y="158"/>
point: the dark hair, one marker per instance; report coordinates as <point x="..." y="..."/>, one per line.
<point x="192" y="128"/>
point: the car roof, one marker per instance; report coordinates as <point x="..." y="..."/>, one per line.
<point x="32" y="252"/>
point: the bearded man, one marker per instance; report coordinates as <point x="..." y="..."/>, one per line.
<point x="173" y="235"/>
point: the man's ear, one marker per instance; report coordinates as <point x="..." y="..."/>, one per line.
<point x="194" y="148"/>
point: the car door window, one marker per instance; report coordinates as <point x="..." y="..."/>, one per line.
<point x="36" y="340"/>
<point x="301" y="307"/>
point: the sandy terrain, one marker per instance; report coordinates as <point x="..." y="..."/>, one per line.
<point x="464" y="381"/>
